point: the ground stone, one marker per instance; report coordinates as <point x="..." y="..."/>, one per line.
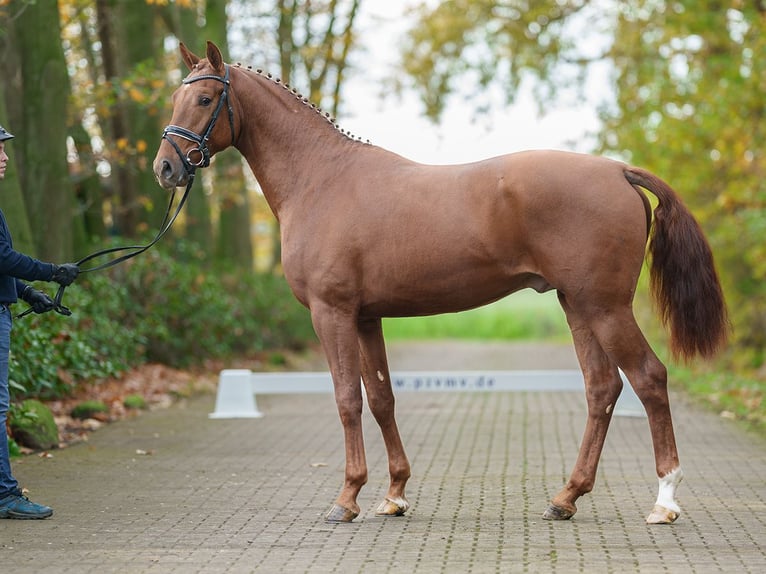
<point x="35" y="428"/>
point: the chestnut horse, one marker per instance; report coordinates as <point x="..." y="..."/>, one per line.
<point x="368" y="234"/>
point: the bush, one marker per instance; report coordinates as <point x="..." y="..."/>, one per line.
<point x="89" y="409"/>
<point x="13" y="448"/>
<point x="136" y="402"/>
<point x="159" y="307"/>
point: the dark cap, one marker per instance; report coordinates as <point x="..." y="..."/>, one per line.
<point x="4" y="135"/>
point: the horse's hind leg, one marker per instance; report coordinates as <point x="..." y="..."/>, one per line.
<point x="621" y="339"/>
<point x="602" y="387"/>
<point x="380" y="397"/>
<point x="625" y="343"/>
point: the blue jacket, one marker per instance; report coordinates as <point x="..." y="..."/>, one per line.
<point x="15" y="266"/>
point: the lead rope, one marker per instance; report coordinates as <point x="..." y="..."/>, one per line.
<point x="133" y="250"/>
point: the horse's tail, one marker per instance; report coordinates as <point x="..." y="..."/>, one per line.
<point x="684" y="281"/>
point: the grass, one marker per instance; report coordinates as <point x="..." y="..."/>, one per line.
<point x="525" y="315"/>
<point x="733" y="396"/>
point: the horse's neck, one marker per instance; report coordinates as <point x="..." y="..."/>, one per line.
<point x="290" y="146"/>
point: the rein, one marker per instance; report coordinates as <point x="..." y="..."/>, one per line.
<point x="133" y="250"/>
<point x="190" y="167"/>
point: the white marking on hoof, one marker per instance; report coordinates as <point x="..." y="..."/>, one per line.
<point x="661" y="515"/>
<point x="392" y="507"/>
<point x="666" y="509"/>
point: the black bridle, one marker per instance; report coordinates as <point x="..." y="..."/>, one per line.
<point x="190" y="167"/>
<point x="201" y="140"/>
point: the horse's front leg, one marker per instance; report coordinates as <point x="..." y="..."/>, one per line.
<point x="380" y="396"/>
<point x="337" y="332"/>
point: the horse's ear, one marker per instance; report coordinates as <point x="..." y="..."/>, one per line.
<point x="214" y="57"/>
<point x="188" y="57"/>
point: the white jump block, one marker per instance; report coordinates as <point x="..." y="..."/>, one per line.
<point x="238" y="388"/>
<point x="235" y="398"/>
<point x="628" y="405"/>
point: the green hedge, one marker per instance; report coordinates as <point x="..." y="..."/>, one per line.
<point x="163" y="307"/>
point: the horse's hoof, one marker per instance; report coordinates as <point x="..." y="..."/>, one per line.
<point x="554" y="512"/>
<point x="392" y="507"/>
<point x="662" y="515"/>
<point x="339" y="514"/>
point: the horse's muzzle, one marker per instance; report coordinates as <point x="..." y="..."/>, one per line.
<point x="169" y="174"/>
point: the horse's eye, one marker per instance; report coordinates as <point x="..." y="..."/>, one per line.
<point x="205" y="101"/>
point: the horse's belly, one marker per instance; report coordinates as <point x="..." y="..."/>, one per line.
<point x="440" y="292"/>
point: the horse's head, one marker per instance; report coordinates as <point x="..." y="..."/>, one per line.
<point x="194" y="133"/>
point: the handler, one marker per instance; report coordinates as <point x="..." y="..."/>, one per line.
<point x="15" y="266"/>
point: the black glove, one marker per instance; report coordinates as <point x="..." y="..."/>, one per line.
<point x="39" y="301"/>
<point x="65" y="274"/>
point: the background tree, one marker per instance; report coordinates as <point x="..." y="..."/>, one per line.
<point x="79" y="33"/>
<point x="183" y="23"/>
<point x="141" y="51"/>
<point x="469" y="45"/>
<point x="310" y="42"/>
<point x="39" y="103"/>
<point x="688" y="84"/>
<point x="234" y="244"/>
<point x="105" y="132"/>
<point x="130" y="53"/>
<point x="13" y="199"/>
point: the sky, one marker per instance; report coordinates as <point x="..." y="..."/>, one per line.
<point x="397" y="124"/>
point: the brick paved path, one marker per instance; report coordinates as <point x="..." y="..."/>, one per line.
<point x="249" y="495"/>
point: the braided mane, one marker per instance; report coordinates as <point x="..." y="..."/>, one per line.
<point x="305" y="101"/>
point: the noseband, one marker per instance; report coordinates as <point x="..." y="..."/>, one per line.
<point x="189" y="163"/>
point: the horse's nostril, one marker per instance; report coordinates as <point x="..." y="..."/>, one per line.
<point x="167" y="169"/>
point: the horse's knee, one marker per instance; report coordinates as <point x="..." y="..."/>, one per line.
<point x="380" y="396"/>
<point x="349" y="407"/>
<point x="381" y="406"/>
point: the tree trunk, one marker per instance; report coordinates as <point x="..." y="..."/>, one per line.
<point x="45" y="90"/>
<point x="114" y="129"/>
<point x="12" y="201"/>
<point x="87" y="182"/>
<point x="87" y="187"/>
<point x="141" y="52"/>
<point x="182" y="22"/>
<point x="234" y="244"/>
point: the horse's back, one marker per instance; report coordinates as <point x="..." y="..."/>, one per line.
<point x="427" y="239"/>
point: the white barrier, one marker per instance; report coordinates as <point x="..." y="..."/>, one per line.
<point x="238" y="388"/>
